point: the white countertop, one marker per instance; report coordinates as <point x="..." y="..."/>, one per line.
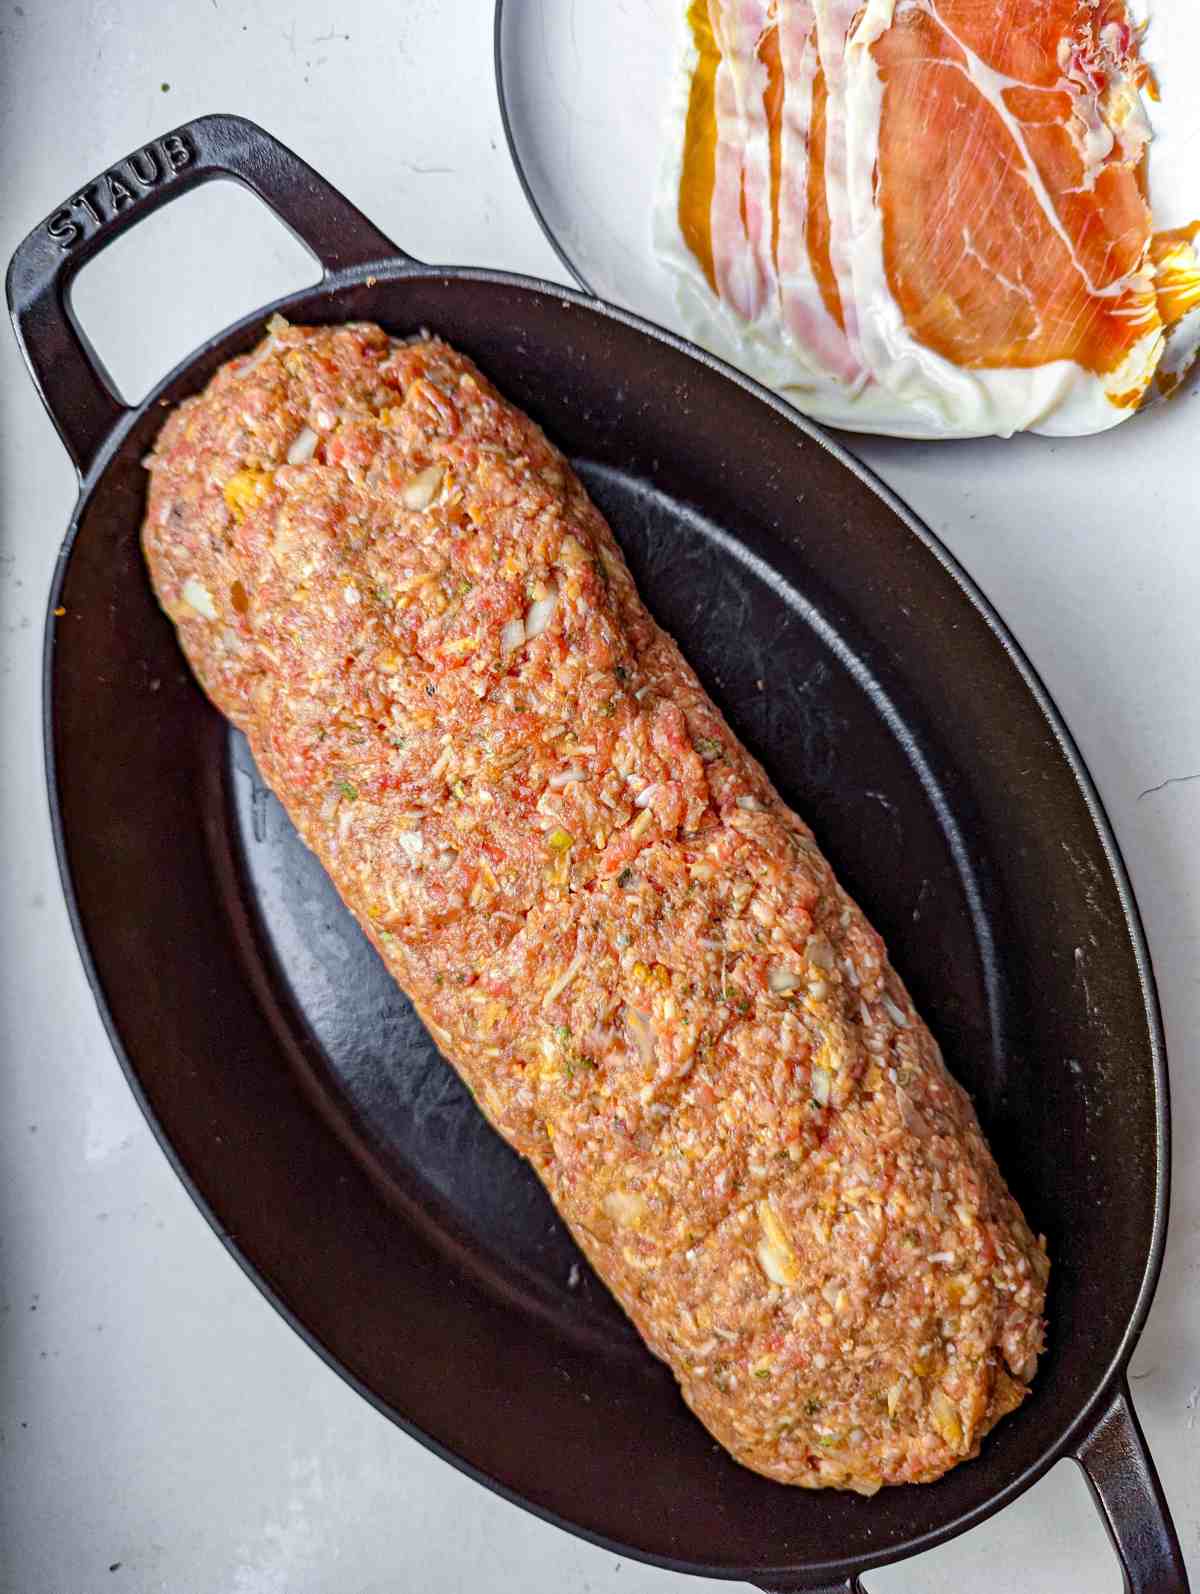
<point x="160" y="1427"/>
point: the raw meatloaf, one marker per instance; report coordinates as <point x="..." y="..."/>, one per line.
<point x="631" y="950"/>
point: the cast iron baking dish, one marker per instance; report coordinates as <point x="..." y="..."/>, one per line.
<point x="305" y="1108"/>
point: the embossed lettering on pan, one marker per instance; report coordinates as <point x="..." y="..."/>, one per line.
<point x="119" y="188"/>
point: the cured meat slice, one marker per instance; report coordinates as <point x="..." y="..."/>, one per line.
<point x="959" y="239"/>
<point x="814" y="311"/>
<point x="743" y="204"/>
<point x="743" y="217"/>
<point x="1000" y="232"/>
<point x="1177" y="283"/>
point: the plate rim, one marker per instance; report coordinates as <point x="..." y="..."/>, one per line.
<point x="518" y="164"/>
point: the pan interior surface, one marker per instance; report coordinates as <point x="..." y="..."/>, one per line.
<point x="339" y="1154"/>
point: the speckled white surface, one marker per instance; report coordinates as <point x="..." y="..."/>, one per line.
<point x="160" y="1428"/>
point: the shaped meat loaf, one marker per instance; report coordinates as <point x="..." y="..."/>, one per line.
<point x="633" y="953"/>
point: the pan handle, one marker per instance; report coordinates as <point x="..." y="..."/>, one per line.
<point x="78" y="393"/>
<point x="1120" y="1472"/>
<point x="1121" y="1475"/>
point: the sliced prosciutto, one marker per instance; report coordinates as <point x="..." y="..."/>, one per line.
<point x="813" y="310"/>
<point x="931" y="216"/>
<point x="747" y="198"/>
<point x="1001" y="236"/>
<point x="742" y="209"/>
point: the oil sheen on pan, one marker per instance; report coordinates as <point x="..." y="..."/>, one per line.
<point x="927" y="217"/>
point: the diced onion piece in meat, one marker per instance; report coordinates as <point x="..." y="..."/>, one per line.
<point x="441" y="763"/>
<point x="198" y="597"/>
<point x="914" y="1119"/>
<point x="253" y="361"/>
<point x="820" y="1085"/>
<point x="945" y="1418"/>
<point x="304" y="447"/>
<point x="896" y="1014"/>
<point x="750" y="804"/>
<point x="641" y="824"/>
<point x="1024" y="1370"/>
<point x="572" y="552"/>
<point x="781" y="980"/>
<point x="539" y="615"/>
<point x="643" y="1034"/>
<point x="624" y="1208"/>
<point x="512" y="636"/>
<point x="420" y="490"/>
<point x="645" y="798"/>
<point x="819" y="952"/>
<point x="411" y="842"/>
<point x="867" y="1487"/>
<point x="563" y="980"/>
<point x="774" y="1250"/>
<point x="565" y="777"/>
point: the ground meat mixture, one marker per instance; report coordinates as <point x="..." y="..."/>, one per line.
<point x="634" y="954"/>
